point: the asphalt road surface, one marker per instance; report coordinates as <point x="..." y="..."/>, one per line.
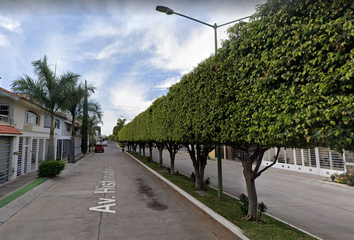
<point x="111" y="196"/>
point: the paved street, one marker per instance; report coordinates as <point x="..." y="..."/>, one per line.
<point x="109" y="196"/>
<point x="323" y="209"/>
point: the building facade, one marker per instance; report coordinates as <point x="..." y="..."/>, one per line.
<point x="24" y="136"/>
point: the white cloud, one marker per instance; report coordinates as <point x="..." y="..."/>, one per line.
<point x="182" y="55"/>
<point x="163" y="85"/>
<point x="129" y="98"/>
<point x="11" y="25"/>
<point x="109" y="121"/>
<point x="4" y="42"/>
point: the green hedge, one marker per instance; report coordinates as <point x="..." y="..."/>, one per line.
<point x="50" y="168"/>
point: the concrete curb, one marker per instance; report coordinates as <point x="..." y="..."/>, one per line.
<point x="232" y="227"/>
<point x="280" y="220"/>
<point x="19" y="203"/>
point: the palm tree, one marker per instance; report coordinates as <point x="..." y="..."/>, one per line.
<point x="118" y="127"/>
<point x="92" y="123"/>
<point x="47" y="90"/>
<point x="74" y="104"/>
<point x="95" y="115"/>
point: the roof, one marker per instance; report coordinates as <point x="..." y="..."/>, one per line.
<point x="17" y="96"/>
<point x="7" y="129"/>
<point x="6" y="93"/>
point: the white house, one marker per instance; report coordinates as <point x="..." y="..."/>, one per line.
<point x="23" y="135"/>
<point x="62" y="131"/>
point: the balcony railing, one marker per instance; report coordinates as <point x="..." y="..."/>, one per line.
<point x="6" y="118"/>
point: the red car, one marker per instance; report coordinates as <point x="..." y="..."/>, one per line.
<point x="99" y="147"/>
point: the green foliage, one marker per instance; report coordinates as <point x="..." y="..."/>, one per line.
<point x="262" y="208"/>
<point x="244" y="204"/>
<point x="345" y="178"/>
<point x="193" y="177"/>
<point x="46" y="90"/>
<point x="50" y="168"/>
<point x="284" y="79"/>
<point x="206" y="183"/>
<point x="122" y="145"/>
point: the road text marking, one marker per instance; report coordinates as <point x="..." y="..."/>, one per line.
<point x="107" y="185"/>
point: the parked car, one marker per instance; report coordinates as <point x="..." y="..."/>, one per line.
<point x="104" y="143"/>
<point x="99" y="147"/>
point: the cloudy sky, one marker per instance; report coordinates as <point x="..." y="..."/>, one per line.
<point x="128" y="50"/>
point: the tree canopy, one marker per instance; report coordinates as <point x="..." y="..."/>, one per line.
<point x="284" y="79"/>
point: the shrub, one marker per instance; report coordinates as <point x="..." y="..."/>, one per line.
<point x="244" y="204"/>
<point x="122" y="145"/>
<point x="50" y="168"/>
<point x="193" y="177"/>
<point x="262" y="208"/>
<point x="333" y="177"/>
<point x="206" y="183"/>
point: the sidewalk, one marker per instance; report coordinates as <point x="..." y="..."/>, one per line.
<point x="12" y="186"/>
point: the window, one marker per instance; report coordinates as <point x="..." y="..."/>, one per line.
<point x="4" y="112"/>
<point x="31" y="117"/>
<point x="68" y="128"/>
<point x="56" y="124"/>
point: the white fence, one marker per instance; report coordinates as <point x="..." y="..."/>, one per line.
<point x="319" y="161"/>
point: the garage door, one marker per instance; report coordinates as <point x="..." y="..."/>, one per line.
<point x="5" y="146"/>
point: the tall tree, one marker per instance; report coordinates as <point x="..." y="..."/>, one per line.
<point x="84" y="128"/>
<point x="46" y="90"/>
<point x="92" y="126"/>
<point x="74" y="104"/>
<point x="120" y="124"/>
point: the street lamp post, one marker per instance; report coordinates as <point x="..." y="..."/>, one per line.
<point x="169" y="11"/>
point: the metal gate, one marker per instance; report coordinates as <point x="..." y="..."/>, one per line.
<point x="5" y="147"/>
<point x="59" y="143"/>
<point x="23" y="162"/>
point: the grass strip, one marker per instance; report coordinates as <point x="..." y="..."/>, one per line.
<point x="229" y="208"/>
<point x="20" y="192"/>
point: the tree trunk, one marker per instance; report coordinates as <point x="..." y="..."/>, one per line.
<point x="51" y="150"/>
<point x="251" y="190"/>
<point x="150" y="148"/>
<point x="143" y="151"/>
<point x="72" y="142"/>
<point x="160" y="148"/>
<point x="84" y="128"/>
<point x="140" y="149"/>
<point x="92" y="143"/>
<point x="199" y="160"/>
<point x="250" y="176"/>
<point x="134" y="147"/>
<point x="172" y="149"/>
<point x="172" y="165"/>
<point x="160" y="157"/>
<point x="199" y="178"/>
